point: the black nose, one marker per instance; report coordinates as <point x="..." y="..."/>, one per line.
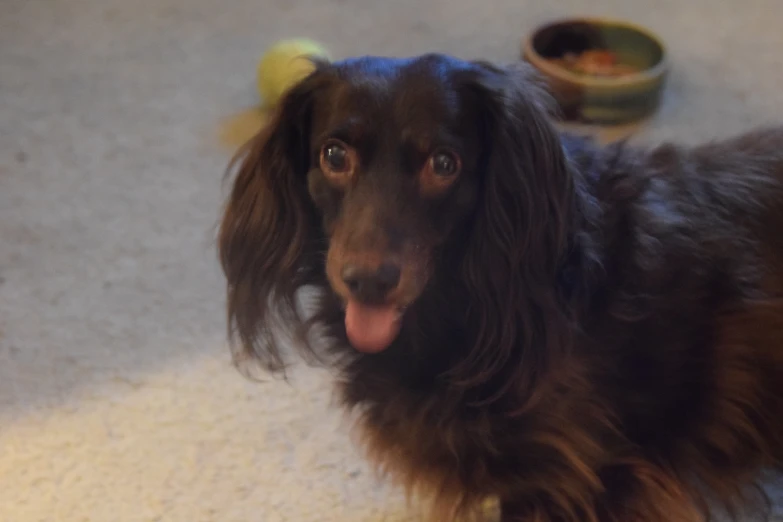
<point x="371" y="285"/>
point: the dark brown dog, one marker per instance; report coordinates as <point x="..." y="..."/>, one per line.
<point x="585" y="333"/>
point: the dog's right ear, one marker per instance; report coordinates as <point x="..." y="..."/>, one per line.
<point x="269" y="230"/>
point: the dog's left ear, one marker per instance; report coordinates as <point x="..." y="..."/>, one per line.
<point x="520" y="231"/>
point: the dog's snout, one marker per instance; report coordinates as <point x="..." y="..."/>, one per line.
<point x="371" y="284"/>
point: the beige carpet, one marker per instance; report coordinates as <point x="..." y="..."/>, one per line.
<point x="117" y="399"/>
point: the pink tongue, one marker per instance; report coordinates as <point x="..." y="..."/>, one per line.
<point x="371" y="329"/>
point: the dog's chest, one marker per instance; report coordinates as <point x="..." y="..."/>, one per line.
<point x="427" y="444"/>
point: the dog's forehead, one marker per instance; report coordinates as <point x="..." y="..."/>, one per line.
<point x="406" y="92"/>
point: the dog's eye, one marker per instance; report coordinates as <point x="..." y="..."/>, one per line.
<point x="336" y="157"/>
<point x="444" y="164"/>
<point x="338" y="161"/>
<point x="440" y="171"/>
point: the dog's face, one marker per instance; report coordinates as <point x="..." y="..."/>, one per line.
<point x="394" y="158"/>
<point x="370" y="170"/>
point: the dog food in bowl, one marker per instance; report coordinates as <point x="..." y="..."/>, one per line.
<point x="594" y="62"/>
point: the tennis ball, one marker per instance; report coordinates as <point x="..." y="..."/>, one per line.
<point x="283" y="65"/>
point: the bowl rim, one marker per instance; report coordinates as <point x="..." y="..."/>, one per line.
<point x="652" y="73"/>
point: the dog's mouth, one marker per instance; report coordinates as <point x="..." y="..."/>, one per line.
<point x="372" y="328"/>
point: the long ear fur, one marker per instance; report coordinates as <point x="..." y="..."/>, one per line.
<point x="519" y="235"/>
<point x="269" y="238"/>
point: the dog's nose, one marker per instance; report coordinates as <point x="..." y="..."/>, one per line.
<point x="371" y="285"/>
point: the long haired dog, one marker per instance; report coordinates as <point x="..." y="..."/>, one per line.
<point x="585" y="333"/>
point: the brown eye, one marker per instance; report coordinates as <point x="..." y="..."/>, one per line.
<point x="444" y="164"/>
<point x="336" y="157"/>
<point x="338" y="161"/>
<point x="440" y="171"/>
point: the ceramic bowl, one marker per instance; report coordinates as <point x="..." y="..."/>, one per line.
<point x="595" y="95"/>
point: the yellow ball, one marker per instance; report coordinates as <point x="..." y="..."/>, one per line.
<point x="285" y="64"/>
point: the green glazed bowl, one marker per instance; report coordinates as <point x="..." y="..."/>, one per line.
<point x="600" y="99"/>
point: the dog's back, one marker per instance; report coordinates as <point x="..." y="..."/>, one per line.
<point x="685" y="331"/>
